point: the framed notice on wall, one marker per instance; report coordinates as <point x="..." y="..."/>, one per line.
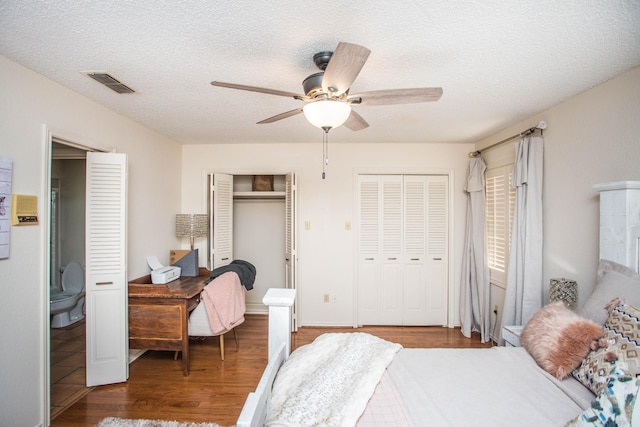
<point x="6" y="166"/>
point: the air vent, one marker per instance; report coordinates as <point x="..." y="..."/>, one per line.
<point x="110" y="82"/>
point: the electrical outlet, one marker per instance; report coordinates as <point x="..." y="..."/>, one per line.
<point x="326" y="298"/>
<point x="495" y="309"/>
<point x="334" y="298"/>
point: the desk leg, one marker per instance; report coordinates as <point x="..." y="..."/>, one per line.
<point x="185" y="339"/>
<point x="185" y="356"/>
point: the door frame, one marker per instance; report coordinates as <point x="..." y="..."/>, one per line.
<point x="260" y="171"/>
<point x="451" y="288"/>
<point x="49" y="136"/>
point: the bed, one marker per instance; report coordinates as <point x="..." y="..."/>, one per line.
<point x="390" y="385"/>
<point x="574" y="368"/>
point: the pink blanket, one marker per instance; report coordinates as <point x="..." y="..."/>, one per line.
<point x="224" y="299"/>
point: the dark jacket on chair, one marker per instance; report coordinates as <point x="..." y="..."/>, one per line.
<point x="244" y="269"/>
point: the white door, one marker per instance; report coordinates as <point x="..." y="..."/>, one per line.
<point x="380" y="250"/>
<point x="425" y="250"/>
<point x="106" y="269"/>
<point x="368" y="249"/>
<point x="290" y="255"/>
<point x="221" y="218"/>
<point x="415" y="251"/>
<point x="437" y="250"/>
<point x="391" y="237"/>
<point x="403" y="250"/>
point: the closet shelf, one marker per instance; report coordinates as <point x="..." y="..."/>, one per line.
<point x="259" y="195"/>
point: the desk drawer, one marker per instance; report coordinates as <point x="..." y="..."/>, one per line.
<point x="156" y="321"/>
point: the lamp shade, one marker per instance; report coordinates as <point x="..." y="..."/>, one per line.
<point x="192" y="226"/>
<point x="327" y="113"/>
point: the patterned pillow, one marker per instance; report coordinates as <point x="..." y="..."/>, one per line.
<point x="614" y="406"/>
<point x="622" y="334"/>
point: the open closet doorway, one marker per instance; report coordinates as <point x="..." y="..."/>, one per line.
<point x="67" y="246"/>
<point x="258" y="226"/>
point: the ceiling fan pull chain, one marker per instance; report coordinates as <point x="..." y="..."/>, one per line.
<point x="326" y="150"/>
<point x="325" y="160"/>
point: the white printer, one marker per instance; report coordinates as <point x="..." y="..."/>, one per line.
<point x="161" y="274"/>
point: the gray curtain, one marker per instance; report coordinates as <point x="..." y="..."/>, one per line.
<point x="523" y="295"/>
<point x="475" y="297"/>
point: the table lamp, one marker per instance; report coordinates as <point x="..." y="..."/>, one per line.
<point x="192" y="226"/>
<point x="563" y="290"/>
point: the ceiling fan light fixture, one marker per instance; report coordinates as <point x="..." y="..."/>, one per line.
<point x="327" y="113"/>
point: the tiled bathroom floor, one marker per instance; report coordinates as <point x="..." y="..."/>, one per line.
<point x="67" y="367"/>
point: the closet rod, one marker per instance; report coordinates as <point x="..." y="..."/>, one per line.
<point x="541" y="126"/>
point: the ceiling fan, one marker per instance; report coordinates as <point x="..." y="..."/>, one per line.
<point x="326" y="94"/>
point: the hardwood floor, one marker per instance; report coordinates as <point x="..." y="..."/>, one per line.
<point x="215" y="390"/>
<point x="67" y="366"/>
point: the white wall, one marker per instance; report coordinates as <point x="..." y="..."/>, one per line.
<point x="28" y="103"/>
<point x="72" y="215"/>
<point x="259" y="237"/>
<point x="591" y="138"/>
<point x="327" y="251"/>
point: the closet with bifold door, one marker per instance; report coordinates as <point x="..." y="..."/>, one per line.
<point x="403" y="243"/>
<point x="253" y="218"/>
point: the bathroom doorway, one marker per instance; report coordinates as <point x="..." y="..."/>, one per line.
<point x="67" y="243"/>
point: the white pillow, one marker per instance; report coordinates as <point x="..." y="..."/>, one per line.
<point x="605" y="265"/>
<point x="612" y="284"/>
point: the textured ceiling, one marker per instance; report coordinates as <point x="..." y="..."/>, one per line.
<point x="498" y="62"/>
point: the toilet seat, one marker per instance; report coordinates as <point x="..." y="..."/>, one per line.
<point x="67" y="307"/>
<point x="73" y="278"/>
<point x="62" y="296"/>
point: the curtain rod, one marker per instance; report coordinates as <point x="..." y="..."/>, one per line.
<point x="541" y="126"/>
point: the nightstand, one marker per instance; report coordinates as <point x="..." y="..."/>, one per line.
<point x="511" y="335"/>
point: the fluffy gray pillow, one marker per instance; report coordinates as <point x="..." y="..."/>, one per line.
<point x="611" y="284"/>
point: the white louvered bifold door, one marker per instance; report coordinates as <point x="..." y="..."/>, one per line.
<point x="221" y="224"/>
<point x="391" y="237"/>
<point x="380" y="250"/>
<point x="415" y="250"/>
<point x="437" y="250"/>
<point x="106" y="269"/>
<point x="369" y="249"/>
<point x="403" y="250"/>
<point x="291" y="253"/>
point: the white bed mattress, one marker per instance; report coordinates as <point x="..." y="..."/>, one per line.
<point x="486" y="387"/>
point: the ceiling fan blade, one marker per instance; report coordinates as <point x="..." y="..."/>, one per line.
<point x="281" y="116"/>
<point x="258" y="89"/>
<point x="343" y="67"/>
<point x="396" y="96"/>
<point x="355" y="122"/>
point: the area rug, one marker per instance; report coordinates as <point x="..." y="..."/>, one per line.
<point x="122" y="422"/>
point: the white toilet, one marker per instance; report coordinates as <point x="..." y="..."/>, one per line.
<point x="67" y="307"/>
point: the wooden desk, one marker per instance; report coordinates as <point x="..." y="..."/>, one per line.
<point x="159" y="314"/>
